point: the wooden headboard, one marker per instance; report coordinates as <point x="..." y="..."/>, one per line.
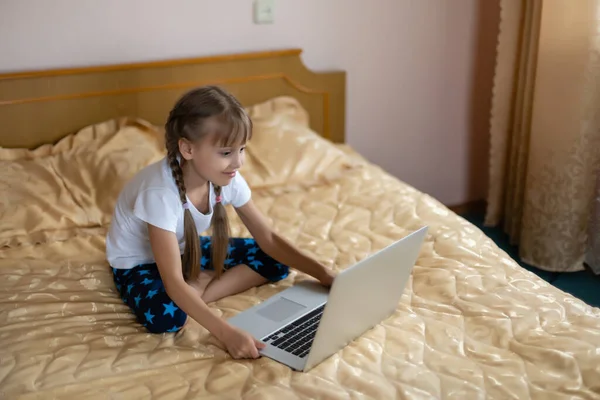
<point x="40" y="107"/>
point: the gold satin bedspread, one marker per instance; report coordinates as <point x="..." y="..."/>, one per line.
<point x="471" y="324"/>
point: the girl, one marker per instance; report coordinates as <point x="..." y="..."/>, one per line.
<point x="161" y="268"/>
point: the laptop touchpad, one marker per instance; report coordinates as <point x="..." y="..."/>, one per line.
<point x="280" y="309"/>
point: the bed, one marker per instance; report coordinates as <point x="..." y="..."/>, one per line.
<point x="471" y="323"/>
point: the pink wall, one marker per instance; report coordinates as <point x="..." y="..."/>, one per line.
<point x="419" y="71"/>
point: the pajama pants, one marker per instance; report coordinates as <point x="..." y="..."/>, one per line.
<point x="142" y="289"/>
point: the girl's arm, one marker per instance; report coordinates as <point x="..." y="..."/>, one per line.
<point x="166" y="253"/>
<point x="279" y="248"/>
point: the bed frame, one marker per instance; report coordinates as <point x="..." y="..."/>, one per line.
<point x="40" y="107"/>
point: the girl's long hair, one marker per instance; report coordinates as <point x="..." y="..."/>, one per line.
<point x="186" y="122"/>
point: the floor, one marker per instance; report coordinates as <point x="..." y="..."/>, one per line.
<point x="584" y="284"/>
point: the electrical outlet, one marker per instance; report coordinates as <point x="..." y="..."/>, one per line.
<point x="264" y="11"/>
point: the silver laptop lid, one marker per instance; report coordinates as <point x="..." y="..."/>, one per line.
<point x="365" y="294"/>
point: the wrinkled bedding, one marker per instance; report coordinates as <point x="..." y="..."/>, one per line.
<point x="471" y="324"/>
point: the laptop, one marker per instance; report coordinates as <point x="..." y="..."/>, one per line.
<point x="307" y="323"/>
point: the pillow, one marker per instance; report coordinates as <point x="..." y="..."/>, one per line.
<point x="55" y="190"/>
<point x="285" y="150"/>
<point x="52" y="191"/>
<point x="82" y="138"/>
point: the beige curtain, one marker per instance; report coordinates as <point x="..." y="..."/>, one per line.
<point x="592" y="257"/>
<point x="545" y="129"/>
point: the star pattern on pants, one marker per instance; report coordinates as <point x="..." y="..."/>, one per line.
<point x="170" y="309"/>
<point x="204" y="261"/>
<point x="149" y="316"/>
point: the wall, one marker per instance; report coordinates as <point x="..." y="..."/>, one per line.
<point x="419" y="71"/>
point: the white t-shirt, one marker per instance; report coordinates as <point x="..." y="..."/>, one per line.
<point x="151" y="197"/>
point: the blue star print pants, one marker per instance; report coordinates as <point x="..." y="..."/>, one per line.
<point x="142" y="289"/>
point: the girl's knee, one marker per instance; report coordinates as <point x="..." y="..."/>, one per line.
<point x="167" y="325"/>
<point x="159" y="314"/>
<point x="273" y="271"/>
<point x="281" y="272"/>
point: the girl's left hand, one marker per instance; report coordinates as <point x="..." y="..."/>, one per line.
<point x="327" y="278"/>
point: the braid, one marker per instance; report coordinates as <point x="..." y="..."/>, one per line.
<point x="177" y="175"/>
<point x="220" y="235"/>
<point x="192" y="252"/>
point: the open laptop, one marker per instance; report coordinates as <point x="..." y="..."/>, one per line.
<point x="307" y="323"/>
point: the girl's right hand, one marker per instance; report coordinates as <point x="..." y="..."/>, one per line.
<point x="241" y="344"/>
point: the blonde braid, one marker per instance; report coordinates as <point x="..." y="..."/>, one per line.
<point x="220" y="234"/>
<point x="192" y="252"/>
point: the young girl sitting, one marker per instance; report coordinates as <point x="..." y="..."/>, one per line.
<point x="162" y="269"/>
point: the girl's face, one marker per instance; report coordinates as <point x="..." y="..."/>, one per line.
<point x="212" y="162"/>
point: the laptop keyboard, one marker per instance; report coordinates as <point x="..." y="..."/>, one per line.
<point x="297" y="337"/>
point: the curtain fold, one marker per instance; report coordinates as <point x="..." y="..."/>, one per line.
<point x="545" y="129"/>
<point x="593" y="251"/>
